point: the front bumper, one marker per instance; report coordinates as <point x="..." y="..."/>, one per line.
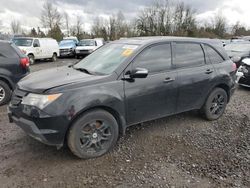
<point x="46" y="129"/>
<point x="64" y="53"/>
<point x="83" y="52"/>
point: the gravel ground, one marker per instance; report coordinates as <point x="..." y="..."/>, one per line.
<point x="178" y="151"/>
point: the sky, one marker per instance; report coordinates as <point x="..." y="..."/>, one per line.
<point x="28" y="12"/>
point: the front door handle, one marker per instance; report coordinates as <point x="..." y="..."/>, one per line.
<point x="168" y="80"/>
<point x="209" y="71"/>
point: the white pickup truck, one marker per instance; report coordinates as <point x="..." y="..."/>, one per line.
<point x="87" y="46"/>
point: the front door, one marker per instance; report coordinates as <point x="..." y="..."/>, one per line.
<point x="155" y="96"/>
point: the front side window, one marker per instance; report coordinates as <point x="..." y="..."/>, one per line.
<point x="155" y="58"/>
<point x="36" y="43"/>
<point x="188" y="55"/>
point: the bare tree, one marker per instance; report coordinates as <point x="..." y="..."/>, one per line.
<point x="165" y="17"/>
<point x="15" y="26"/>
<point x="66" y="18"/>
<point x="77" y="29"/>
<point x="219" y="24"/>
<point x="50" y="16"/>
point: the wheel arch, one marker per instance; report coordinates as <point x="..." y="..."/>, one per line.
<point x="7" y="82"/>
<point x="226" y="88"/>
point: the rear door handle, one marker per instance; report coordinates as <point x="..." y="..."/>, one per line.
<point x="209" y="71"/>
<point x="168" y="80"/>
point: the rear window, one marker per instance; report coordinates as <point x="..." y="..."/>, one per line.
<point x="7" y="51"/>
<point x="213" y="56"/>
<point x="188" y="54"/>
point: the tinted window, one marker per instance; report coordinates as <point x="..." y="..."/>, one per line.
<point x="154" y="59"/>
<point x="7" y="51"/>
<point x="188" y="54"/>
<point x="213" y="56"/>
<point x="36" y="43"/>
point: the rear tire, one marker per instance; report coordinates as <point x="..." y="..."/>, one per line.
<point x="93" y="134"/>
<point x="215" y="104"/>
<point x="31" y="59"/>
<point x="5" y="93"/>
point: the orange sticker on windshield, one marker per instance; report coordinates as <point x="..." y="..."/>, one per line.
<point x="127" y="52"/>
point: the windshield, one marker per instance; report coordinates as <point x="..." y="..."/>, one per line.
<point x="63" y="42"/>
<point x="107" y="58"/>
<point x="87" y="43"/>
<point x="238" y="47"/>
<point x="23" y="42"/>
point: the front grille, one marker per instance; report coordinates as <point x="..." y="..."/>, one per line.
<point x="84" y="51"/>
<point x="64" y="50"/>
<point x="17" y="97"/>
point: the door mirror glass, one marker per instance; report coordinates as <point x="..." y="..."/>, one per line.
<point x="139" y="73"/>
<point x="35" y="45"/>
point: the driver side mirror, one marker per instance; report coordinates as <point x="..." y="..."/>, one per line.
<point x="139" y="73"/>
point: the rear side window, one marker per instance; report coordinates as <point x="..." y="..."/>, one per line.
<point x="155" y="58"/>
<point x="7" y="51"/>
<point x="213" y="56"/>
<point x="188" y="54"/>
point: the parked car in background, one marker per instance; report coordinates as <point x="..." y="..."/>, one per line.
<point x="87" y="46"/>
<point x="38" y="48"/>
<point x="67" y="48"/>
<point x="126" y="82"/>
<point x="14" y="65"/>
<point x="75" y="39"/>
<point x="243" y="73"/>
<point x="237" y="51"/>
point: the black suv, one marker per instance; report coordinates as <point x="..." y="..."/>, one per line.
<point x="14" y="65"/>
<point x="89" y="104"/>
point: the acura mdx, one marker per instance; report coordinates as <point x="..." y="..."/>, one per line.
<point x="88" y="105"/>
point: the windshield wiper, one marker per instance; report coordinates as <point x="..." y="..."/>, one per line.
<point x="82" y="70"/>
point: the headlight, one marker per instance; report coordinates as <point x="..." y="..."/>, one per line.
<point x="40" y="101"/>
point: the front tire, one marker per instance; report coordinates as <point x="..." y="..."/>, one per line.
<point x="5" y="93"/>
<point x="215" y="104"/>
<point x="31" y="59"/>
<point x="54" y="57"/>
<point x="93" y="134"/>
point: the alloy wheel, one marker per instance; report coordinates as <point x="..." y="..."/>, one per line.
<point x="95" y="136"/>
<point x="2" y="93"/>
<point x="218" y="104"/>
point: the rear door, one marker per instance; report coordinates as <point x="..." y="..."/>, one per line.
<point x="195" y="75"/>
<point x="155" y="96"/>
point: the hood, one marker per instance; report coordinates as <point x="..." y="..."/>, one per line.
<point x="85" y="47"/>
<point x="24" y="48"/>
<point x="39" y="82"/>
<point x="66" y="46"/>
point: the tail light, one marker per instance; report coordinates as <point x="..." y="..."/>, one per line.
<point x="24" y="62"/>
<point x="234" y="67"/>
